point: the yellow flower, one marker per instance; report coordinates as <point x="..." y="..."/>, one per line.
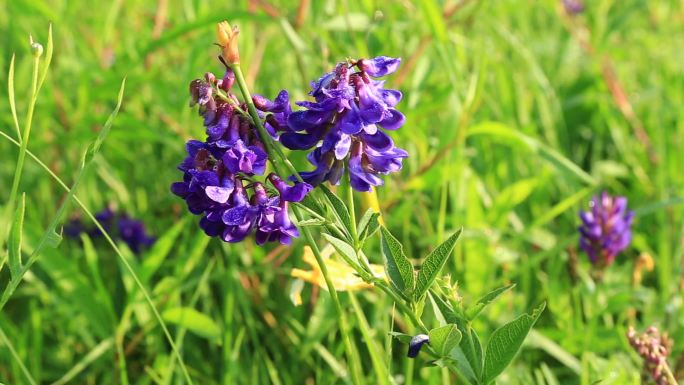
<point x="343" y="277"/>
<point x="228" y="39"/>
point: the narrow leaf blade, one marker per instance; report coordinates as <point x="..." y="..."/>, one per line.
<point x="485" y="300"/>
<point x="339" y="208"/>
<point x="14" y="243"/>
<point x="194" y="321"/>
<point x="343" y="248"/>
<point x="433" y="264"/>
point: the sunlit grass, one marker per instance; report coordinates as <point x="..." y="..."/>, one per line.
<point x="512" y="125"/>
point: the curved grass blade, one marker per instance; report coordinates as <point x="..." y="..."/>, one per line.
<point x="48" y="239"/>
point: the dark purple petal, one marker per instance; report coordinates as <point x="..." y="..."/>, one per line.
<point x="379" y="141"/>
<point x="416" y="344"/>
<point x="295" y="141"/>
<point x="393" y="120"/>
<point x="351" y="123"/>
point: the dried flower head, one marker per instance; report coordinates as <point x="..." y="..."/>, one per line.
<point x="654" y="348"/>
<point x="228" y="40"/>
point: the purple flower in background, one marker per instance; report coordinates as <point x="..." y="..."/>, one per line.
<point x="605" y="229"/>
<point x="215" y="170"/>
<point x="346" y="124"/>
<point x="133" y="233"/>
<point x="117" y="225"/>
<point x="573" y="7"/>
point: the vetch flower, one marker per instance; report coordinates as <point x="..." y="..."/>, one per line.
<point x="215" y="170"/>
<point x="118" y="225"/>
<point x="605" y="229"/>
<point x="133" y="233"/>
<point x="416" y="344"/>
<point x="346" y="124"/>
<point x="573" y="7"/>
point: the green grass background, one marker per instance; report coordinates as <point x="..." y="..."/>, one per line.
<point x="511" y="127"/>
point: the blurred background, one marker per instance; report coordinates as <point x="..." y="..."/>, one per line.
<point x="518" y="111"/>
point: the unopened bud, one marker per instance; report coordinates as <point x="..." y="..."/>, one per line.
<point x="227" y="39"/>
<point x="36" y="49"/>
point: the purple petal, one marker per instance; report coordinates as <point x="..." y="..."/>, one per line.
<point x="379" y="66"/>
<point x="218" y="194"/>
<point x="393" y="120"/>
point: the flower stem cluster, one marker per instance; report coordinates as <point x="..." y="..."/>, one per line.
<point x="218" y="173"/>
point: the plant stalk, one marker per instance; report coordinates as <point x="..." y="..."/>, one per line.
<point x="278" y="159"/>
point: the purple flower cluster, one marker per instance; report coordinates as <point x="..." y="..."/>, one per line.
<point x="573" y="7"/>
<point x="119" y="225"/>
<point x="346" y="124"/>
<point x="654" y="348"/>
<point x="605" y="229"/>
<point x="215" y="170"/>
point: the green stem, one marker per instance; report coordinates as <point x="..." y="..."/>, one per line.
<point x="352" y="214"/>
<point x="277" y="159"/>
<point x="24" y="139"/>
<point x="417" y="322"/>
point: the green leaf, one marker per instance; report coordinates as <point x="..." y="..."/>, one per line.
<point x="488" y="298"/>
<point x="505" y="343"/>
<point x="340" y="209"/>
<point x="194" y="321"/>
<point x="310" y="222"/>
<point x="368" y="224"/>
<point x="10" y="93"/>
<point x="472" y="350"/>
<point x="433" y="264"/>
<point x="403" y="338"/>
<point x="343" y="248"/>
<point x="505" y="134"/>
<point x="313" y="205"/>
<point x="14" y="243"/>
<point x="363" y="222"/>
<point x="53" y="239"/>
<point x="444" y="339"/>
<point x="160" y="250"/>
<point x="397" y="265"/>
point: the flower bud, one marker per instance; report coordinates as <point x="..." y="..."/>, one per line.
<point x="416" y="344"/>
<point x="36" y="49"/>
<point x="227" y="39"/>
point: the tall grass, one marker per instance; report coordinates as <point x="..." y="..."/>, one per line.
<point x="512" y="125"/>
